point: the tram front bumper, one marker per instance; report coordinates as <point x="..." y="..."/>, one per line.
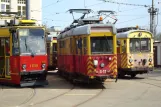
<point x="33" y="78"/>
<point x="33" y="83"/>
<point x="140" y="69"/>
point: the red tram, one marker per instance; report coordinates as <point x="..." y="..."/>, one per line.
<point x="87" y="50"/>
<point x="23" y="58"/>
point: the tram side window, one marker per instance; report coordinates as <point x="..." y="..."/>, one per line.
<point x="124" y="46"/>
<point x="76" y="46"/>
<point x="7" y="47"/>
<point x="15" y="45"/>
<point x="70" y="45"/>
<point x="85" y="45"/>
<point x="118" y="46"/>
<point x="1" y="46"/>
<point x="54" y="47"/>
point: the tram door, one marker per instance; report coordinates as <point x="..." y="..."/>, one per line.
<point x="80" y="54"/>
<point x="4" y="57"/>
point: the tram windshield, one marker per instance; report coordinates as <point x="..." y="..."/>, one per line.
<point x="140" y="45"/>
<point x="32" y="41"/>
<point x="101" y="45"/>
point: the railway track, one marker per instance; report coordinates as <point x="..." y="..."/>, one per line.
<point x="33" y="93"/>
<point x="44" y="101"/>
<point x="1" y="87"/>
<point x="55" y="97"/>
<point x="150" y="82"/>
<point x="65" y="93"/>
<point x="99" y="93"/>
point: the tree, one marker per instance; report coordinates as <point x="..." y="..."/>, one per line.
<point x="158" y="37"/>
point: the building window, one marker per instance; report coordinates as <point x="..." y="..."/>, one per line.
<point x="5" y="7"/>
<point x="21" y="1"/>
<point x="6" y="1"/>
<point x="21" y="10"/>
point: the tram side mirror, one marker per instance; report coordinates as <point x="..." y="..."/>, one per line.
<point x="15" y="37"/>
<point x="118" y="43"/>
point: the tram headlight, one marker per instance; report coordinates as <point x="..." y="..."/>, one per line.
<point x="43" y="66"/>
<point x="24" y="66"/>
<point x="102" y="65"/>
<point x="110" y="58"/>
<point x="150" y="59"/>
<point x="95" y="62"/>
<point x="130" y="60"/>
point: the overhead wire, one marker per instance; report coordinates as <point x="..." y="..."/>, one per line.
<point x="55" y="13"/>
<point x="132" y="15"/>
<point x="129" y="9"/>
<point x="141" y="6"/>
<point x="52" y="3"/>
<point x="95" y="4"/>
<point x="129" y="4"/>
<point x="132" y="19"/>
<point x="48" y="5"/>
<point x="57" y="20"/>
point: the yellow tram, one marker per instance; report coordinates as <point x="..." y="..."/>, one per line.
<point x="135" y="51"/>
<point x="52" y="50"/>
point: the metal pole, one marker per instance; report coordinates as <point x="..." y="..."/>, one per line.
<point x="28" y="9"/>
<point x="153" y="11"/>
<point x="153" y="18"/>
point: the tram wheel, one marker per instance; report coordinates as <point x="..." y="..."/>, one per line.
<point x="133" y="75"/>
<point x="121" y="74"/>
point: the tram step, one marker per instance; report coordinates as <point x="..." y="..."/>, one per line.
<point x="33" y="83"/>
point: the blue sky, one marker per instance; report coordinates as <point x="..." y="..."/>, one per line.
<point x="54" y="11"/>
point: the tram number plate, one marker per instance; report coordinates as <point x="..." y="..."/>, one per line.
<point x="34" y="65"/>
<point x="102" y="71"/>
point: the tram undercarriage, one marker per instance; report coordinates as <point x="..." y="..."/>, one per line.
<point x="33" y="78"/>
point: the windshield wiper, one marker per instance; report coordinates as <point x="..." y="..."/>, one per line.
<point x="25" y="44"/>
<point x="107" y="43"/>
<point x="33" y="54"/>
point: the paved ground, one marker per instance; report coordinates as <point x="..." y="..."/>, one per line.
<point x="142" y="91"/>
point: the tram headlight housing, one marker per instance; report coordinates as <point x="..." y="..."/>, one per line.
<point x="43" y="66"/>
<point x="24" y="66"/>
<point x="95" y="63"/>
<point x="110" y="58"/>
<point x="102" y="65"/>
<point x="150" y="59"/>
<point x="130" y="60"/>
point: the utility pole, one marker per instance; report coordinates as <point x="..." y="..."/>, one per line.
<point x="28" y="9"/>
<point x="153" y="11"/>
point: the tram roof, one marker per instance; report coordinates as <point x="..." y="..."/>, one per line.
<point x="126" y="34"/>
<point x="85" y="30"/>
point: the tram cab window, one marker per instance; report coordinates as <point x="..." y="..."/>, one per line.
<point x="135" y="45"/>
<point x="15" y="44"/>
<point x="32" y="41"/>
<point x="101" y="45"/>
<point x="145" y="44"/>
<point x="124" y="46"/>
